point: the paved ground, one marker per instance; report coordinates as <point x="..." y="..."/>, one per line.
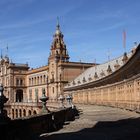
<point x="99" y="123"/>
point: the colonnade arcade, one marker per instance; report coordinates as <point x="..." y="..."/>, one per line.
<point x="22" y="112"/>
<point x="125" y="94"/>
<point x="37" y="80"/>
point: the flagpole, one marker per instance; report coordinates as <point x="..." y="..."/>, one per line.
<point x="124" y="40"/>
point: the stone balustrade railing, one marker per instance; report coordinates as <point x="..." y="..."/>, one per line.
<point x="32" y="127"/>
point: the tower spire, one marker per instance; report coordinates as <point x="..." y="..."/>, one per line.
<point x="58" y="32"/>
<point x="58" y="47"/>
<point x="58" y="26"/>
<point x="1" y="56"/>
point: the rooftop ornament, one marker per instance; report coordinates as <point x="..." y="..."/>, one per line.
<point x="125" y="58"/>
<point x="102" y="74"/>
<point x="44" y="99"/>
<point x="116" y="66"/>
<point x="109" y="70"/>
<point x="134" y="48"/>
<point x="89" y="78"/>
<point x="78" y="82"/>
<point x="96" y="76"/>
<point x="73" y="83"/>
<point x="84" y="79"/>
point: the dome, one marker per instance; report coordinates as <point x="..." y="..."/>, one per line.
<point x="57" y="32"/>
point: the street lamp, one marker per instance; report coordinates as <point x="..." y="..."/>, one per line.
<point x="69" y="100"/>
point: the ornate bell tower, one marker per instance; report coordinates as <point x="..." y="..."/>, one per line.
<point x="59" y="54"/>
<point x="58" y="47"/>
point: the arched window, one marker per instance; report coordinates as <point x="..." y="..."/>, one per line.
<point x="32" y="81"/>
<point x="16" y="113"/>
<point x="40" y="79"/>
<point x="47" y="80"/>
<point x="37" y="80"/>
<point x="24" y="113"/>
<point x="44" y="79"/>
<point x="60" y="77"/>
<point x="30" y="95"/>
<point x="29" y="113"/>
<point x="20" y="113"/>
<point x="52" y="89"/>
<point x="36" y="95"/>
<point x="34" y="112"/>
<point x="17" y="82"/>
<point x="13" y="114"/>
<point x="19" y="95"/>
<point x="56" y="52"/>
<point x="21" y="82"/>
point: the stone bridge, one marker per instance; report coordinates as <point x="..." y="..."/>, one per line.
<point x="99" y="123"/>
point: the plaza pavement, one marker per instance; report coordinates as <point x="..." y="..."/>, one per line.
<point x="99" y="123"/>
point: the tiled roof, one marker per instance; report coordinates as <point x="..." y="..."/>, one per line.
<point x="99" y="71"/>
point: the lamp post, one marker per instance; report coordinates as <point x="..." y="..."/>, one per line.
<point x="69" y="101"/>
<point x="3" y="100"/>
<point x="44" y="99"/>
<point x="61" y="98"/>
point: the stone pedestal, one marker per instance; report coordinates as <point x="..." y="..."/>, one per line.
<point x="44" y="99"/>
<point x="61" y="98"/>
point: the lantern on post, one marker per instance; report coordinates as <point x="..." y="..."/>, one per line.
<point x="69" y="101"/>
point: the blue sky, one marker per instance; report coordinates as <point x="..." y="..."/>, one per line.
<point x="90" y="28"/>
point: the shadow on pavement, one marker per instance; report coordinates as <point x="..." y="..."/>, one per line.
<point x="127" y="129"/>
